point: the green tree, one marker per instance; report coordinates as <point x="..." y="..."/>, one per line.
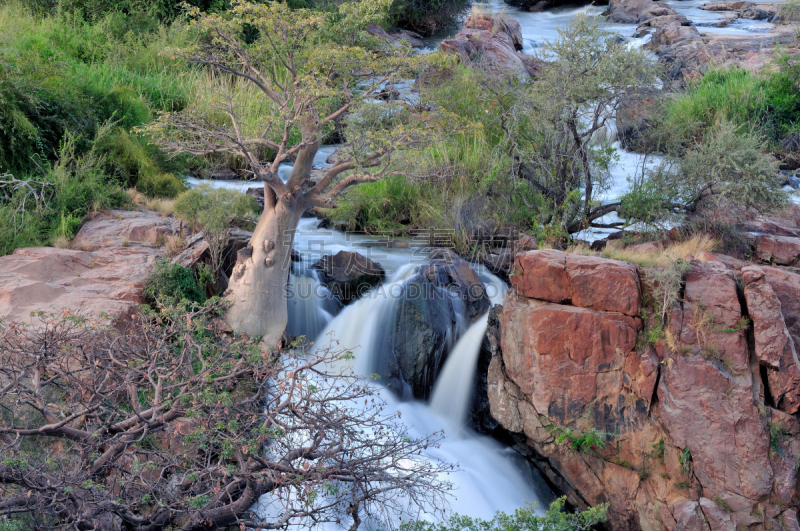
<point x="310" y="68"/>
<point x="586" y="71"/>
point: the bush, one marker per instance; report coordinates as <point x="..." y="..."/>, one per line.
<point x="172" y="283"/>
<point x="426" y="16"/>
<point x="69" y="189"/>
<point x="523" y="519"/>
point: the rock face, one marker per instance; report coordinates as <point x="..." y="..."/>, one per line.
<point x="103" y="274"/>
<point x="779" y="250"/>
<point x="435" y="307"/>
<point x="349" y="275"/>
<point x="691" y="431"/>
<point x="491" y="42"/>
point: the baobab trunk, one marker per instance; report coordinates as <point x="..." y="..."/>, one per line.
<point x="257" y="288"/>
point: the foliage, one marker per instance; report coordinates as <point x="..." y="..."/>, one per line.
<point x="665" y="284"/>
<point x="172" y="283"/>
<point x="767" y="105"/>
<point x="564" y="156"/>
<point x="59" y="74"/>
<point x="77" y="186"/>
<point x="215" y="210"/>
<point x="426" y="16"/>
<point x="527" y="518"/>
<point x="778" y="434"/>
<point x="685" y="460"/>
<point x="170" y="424"/>
<point x="728" y="169"/>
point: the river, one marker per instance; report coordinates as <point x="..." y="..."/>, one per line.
<point x="491" y="477"/>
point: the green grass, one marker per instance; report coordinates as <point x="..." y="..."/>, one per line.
<point x="765" y="104"/>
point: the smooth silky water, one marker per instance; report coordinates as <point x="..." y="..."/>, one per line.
<point x="490" y="477"/>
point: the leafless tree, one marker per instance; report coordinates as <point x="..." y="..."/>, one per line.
<point x="173" y="425"/>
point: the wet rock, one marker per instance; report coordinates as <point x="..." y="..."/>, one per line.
<point x="222" y="174"/>
<point x="585" y="281"/>
<point x="755" y="13"/>
<point x="436" y="306"/>
<point x="349" y="275"/>
<point x="780" y="250"/>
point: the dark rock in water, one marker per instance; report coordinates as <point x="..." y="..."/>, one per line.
<point x="223" y="174"/>
<point x="349" y="275"/>
<point x="437" y="305"/>
<point x="258" y="193"/>
<point x="480" y="416"/>
<point x="535" y="6"/>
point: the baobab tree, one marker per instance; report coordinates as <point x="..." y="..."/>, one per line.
<point x="170" y="425"/>
<point x="305" y="72"/>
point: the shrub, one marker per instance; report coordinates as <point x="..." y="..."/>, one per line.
<point x="68" y="190"/>
<point x="426" y="16"/>
<point x="172" y="283"/>
<point x="160" y="185"/>
<point x="215" y="210"/>
<point x="524" y="519"/>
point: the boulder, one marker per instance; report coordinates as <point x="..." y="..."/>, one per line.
<point x="780" y="250"/>
<point x="661" y="22"/>
<point x="122" y="228"/>
<point x="585" y="281"/>
<point x="349" y="275"/>
<point x="726" y="6"/>
<point x="491" y="43"/>
<point x="397" y="38"/>
<point x="101" y="278"/>
<point x="435" y="306"/>
<point x="636" y="11"/>
<point x="498" y="23"/>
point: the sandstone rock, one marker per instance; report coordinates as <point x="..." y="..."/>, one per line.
<point x="636" y="11"/>
<point x="755" y="13"/>
<point x="349" y="275"/>
<point x="121" y="228"/>
<point x="586" y="281"/>
<point x="491" y="42"/>
<point x="784" y="385"/>
<point x="769" y="329"/>
<point x="497" y="23"/>
<point x="107" y="281"/>
<point x="661" y="22"/>
<point x="559" y="356"/>
<point x="397" y="38"/>
<point x="672" y="34"/>
<point x="781" y="250"/>
<point x="784" y="458"/>
<point x="726" y="6"/>
<point x="714" y="416"/>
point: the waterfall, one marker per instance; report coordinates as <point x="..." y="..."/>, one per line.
<point x="491" y="478"/>
<point x="452" y="394"/>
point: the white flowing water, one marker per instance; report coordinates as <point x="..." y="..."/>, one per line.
<point x="491" y="476"/>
